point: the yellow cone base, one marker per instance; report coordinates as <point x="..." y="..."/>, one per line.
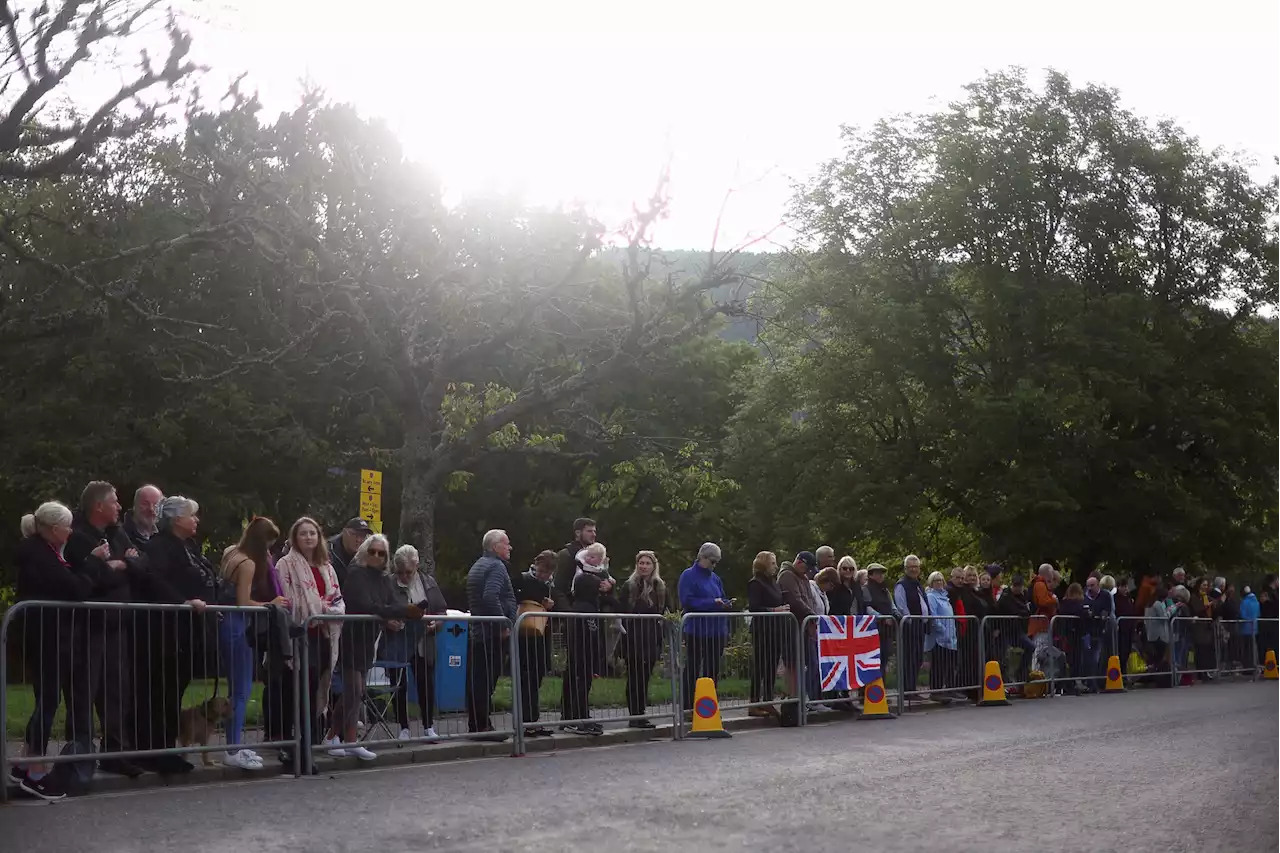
<point x="706" y="711"/>
<point x="875" y="704"/>
<point x="1115" y="681"/>
<point x="1269" y="672"/>
<point x="993" y="686"/>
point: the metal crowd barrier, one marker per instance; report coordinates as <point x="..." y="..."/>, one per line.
<point x="1196" y="645"/>
<point x="367" y="683"/>
<point x="811" y="681"/>
<point x="133" y="665"/>
<point x="601" y="651"/>
<point x="744" y="653"/>
<point x="153" y="673"/>
<point x="1085" y="644"/>
<point x="951" y="672"/>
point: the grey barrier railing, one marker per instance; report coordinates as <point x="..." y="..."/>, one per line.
<point x="762" y="643"/>
<point x="923" y="646"/>
<point x="814" y="692"/>
<point x="621" y="646"/>
<point x="1005" y="641"/>
<point x="177" y="654"/>
<point x="356" y="649"/>
<point x="133" y="665"/>
<point x="1237" y="650"/>
<point x="1195" y="640"/>
<point x="1085" y="644"/>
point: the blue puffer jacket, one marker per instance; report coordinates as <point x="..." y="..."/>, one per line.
<point x="1249" y="611"/>
<point x="942" y="632"/>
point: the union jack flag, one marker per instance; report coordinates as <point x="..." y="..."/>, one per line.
<point x="848" y="644"/>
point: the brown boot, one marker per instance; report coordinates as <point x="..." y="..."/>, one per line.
<point x="760" y="711"/>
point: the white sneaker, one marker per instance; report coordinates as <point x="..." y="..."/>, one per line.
<point x="404" y="734"/>
<point x="361" y="753"/>
<point x="430" y="734"/>
<point x="243" y="760"/>
<point x="335" y="751"/>
<point x="252" y="754"/>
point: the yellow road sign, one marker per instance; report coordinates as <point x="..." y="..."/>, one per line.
<point x="367" y="476"/>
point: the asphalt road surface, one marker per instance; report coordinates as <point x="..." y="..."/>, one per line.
<point x="1190" y="769"/>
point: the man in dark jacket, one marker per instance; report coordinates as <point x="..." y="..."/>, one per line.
<point x="99" y="548"/>
<point x="1009" y="634"/>
<point x="584" y="534"/>
<point x="344" y="545"/>
<point x="142" y="522"/>
<point x="489" y="593"/>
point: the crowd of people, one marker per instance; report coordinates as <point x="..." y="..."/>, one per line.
<point x="132" y="666"/>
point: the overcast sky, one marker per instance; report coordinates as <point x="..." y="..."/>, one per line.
<point x="564" y="101"/>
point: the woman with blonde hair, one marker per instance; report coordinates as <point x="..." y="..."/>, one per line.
<point x="308" y="580"/>
<point x="644" y="593"/>
<point x="368" y="592"/>
<point x="246" y="575"/>
<point x="768" y="633"/>
<point x="44" y="574"/>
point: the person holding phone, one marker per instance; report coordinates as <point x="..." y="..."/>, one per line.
<point x="701" y="591"/>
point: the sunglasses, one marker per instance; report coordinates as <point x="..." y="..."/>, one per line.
<point x="373" y="553"/>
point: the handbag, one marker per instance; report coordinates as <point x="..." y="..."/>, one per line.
<point x="534" y="624"/>
<point x="1136" y="663"/>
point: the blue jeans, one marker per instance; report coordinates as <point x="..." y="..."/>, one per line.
<point x="237" y="666"/>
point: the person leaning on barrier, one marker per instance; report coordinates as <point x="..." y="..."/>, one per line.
<point x="106" y="644"/>
<point x="798" y="595"/>
<point x="1269" y="614"/>
<point x="1203" y="608"/>
<point x="1010" y="635"/>
<point x="310" y="583"/>
<point x="533" y="592"/>
<point x="489" y="593"/>
<point x="367" y="592"/>
<point x="246" y="582"/>
<point x="1072" y="636"/>
<point x="642" y="593"/>
<point x="942" y="642"/>
<point x="1045" y="605"/>
<point x="769" y="635"/>
<point x="412" y="584"/>
<point x="910" y="601"/>
<point x="585" y="656"/>
<point x="44" y="574"/>
<point x="700" y="590"/>
<point x="1249" y="611"/>
<point x="173" y="648"/>
<point x="1157" y="630"/>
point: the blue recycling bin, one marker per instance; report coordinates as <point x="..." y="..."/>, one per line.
<point x="451" y="668"/>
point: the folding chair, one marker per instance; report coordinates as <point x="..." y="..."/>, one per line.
<point x="382" y="682"/>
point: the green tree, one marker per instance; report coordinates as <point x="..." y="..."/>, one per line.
<point x="1037" y="316"/>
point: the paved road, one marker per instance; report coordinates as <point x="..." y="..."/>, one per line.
<point x="1191" y="769"/>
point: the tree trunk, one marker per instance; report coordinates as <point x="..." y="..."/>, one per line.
<point x="418" y="498"/>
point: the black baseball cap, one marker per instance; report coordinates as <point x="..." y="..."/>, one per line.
<point x="359" y="525"/>
<point x="808" y="559"/>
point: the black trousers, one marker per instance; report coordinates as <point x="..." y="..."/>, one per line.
<point x="533" y="668"/>
<point x="279" y="692"/>
<point x="47" y="675"/>
<point x="702" y="660"/>
<point x="641" y="659"/>
<point x="484" y="666"/>
<point x="912" y="654"/>
<point x="943" y="668"/>
<point x="766" y="653"/>
<point x="113" y="692"/>
<point x="162" y="661"/>
<point x="424" y="676"/>
<point x="580" y="665"/>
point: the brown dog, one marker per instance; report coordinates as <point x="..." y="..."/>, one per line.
<point x="198" y="723"/>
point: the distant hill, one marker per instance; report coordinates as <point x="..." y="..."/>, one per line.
<point x="686" y="264"/>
